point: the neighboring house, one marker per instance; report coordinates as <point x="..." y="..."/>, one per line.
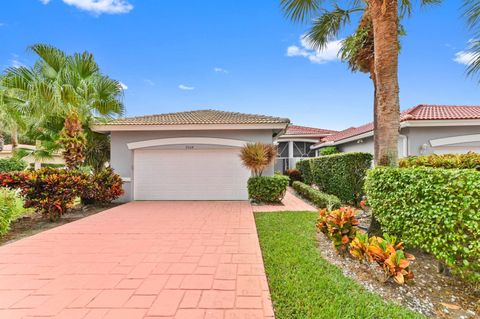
<point x="424" y="129"/>
<point x="296" y="144"/>
<point x="187" y="155"/>
<point x="56" y="158"/>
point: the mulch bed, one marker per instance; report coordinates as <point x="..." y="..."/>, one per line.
<point x="431" y="293"/>
<point x="34" y="223"/>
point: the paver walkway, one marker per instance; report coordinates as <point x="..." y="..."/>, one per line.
<point x="140" y="260"/>
<point x="290" y="203"/>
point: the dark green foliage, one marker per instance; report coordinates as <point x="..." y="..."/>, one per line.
<point x="321" y="200"/>
<point x="437" y="210"/>
<point x="305" y="169"/>
<point x="12" y="165"/>
<point x="303" y="284"/>
<point x="268" y="189"/>
<point x="341" y="174"/>
<point x="468" y="160"/>
<point x="329" y="150"/>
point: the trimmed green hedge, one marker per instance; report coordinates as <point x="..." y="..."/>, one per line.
<point x="468" y="160"/>
<point x="305" y="168"/>
<point x="321" y="200"/>
<point x="12" y="165"/>
<point x="340" y="174"/>
<point x="434" y="209"/>
<point x="268" y="189"/>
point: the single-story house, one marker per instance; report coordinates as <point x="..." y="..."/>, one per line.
<point x="295" y="144"/>
<point x="187" y="155"/>
<point x="424" y="129"/>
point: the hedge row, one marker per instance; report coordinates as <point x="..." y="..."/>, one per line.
<point x="469" y="160"/>
<point x="437" y="210"/>
<point x="321" y="200"/>
<point x="268" y="189"/>
<point x="341" y="174"/>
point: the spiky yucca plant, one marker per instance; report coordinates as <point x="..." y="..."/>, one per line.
<point x="73" y="140"/>
<point x="257" y="156"/>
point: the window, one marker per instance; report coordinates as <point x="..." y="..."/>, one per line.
<point x="283" y="149"/>
<point x="302" y="149"/>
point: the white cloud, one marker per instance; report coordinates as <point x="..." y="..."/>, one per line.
<point x="149" y="82"/>
<point x="220" y="70"/>
<point x="306" y="50"/>
<point x="124" y="86"/>
<point x="15" y="61"/>
<point x="185" y="87"/>
<point x="463" y="57"/>
<point x="99" y="6"/>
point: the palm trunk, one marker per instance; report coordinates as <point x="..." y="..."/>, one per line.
<point x="2" y="141"/>
<point x="387" y="115"/>
<point x="14" y="137"/>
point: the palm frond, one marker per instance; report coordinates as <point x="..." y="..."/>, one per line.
<point x="300" y="10"/>
<point x="328" y="25"/>
<point x="52" y="56"/>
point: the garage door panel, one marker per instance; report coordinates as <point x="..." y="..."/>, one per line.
<point x="204" y="174"/>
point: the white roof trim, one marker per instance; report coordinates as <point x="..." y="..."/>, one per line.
<point x="186" y="140"/>
<point x="296" y="139"/>
<point x="186" y="127"/>
<point x="455" y="140"/>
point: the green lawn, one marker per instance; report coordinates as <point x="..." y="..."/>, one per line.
<point x="303" y="284"/>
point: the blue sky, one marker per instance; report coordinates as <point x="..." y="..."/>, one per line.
<point x="237" y="55"/>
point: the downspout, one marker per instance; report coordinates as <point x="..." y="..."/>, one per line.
<point x="404" y="139"/>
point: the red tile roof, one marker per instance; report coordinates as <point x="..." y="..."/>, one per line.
<point x="305" y="130"/>
<point x="419" y="112"/>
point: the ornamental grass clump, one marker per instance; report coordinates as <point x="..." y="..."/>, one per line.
<point x="258" y="156"/>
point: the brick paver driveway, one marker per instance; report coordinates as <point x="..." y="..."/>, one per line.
<point x="140" y="260"/>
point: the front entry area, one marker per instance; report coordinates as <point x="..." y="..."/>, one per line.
<point x="190" y="173"/>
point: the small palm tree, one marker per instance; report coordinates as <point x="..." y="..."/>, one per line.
<point x="258" y="156"/>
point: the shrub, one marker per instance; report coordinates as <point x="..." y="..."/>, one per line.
<point x="11" y="207"/>
<point x="338" y="225"/>
<point x="341" y="174"/>
<point x="52" y="191"/>
<point x="105" y="186"/>
<point x="294" y="175"/>
<point x="269" y="189"/>
<point x="321" y="200"/>
<point x="437" y="210"/>
<point x="305" y="169"/>
<point x="12" y="165"/>
<point x="329" y="150"/>
<point x="469" y="160"/>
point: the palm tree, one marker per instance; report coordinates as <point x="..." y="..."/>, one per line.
<point x="373" y="48"/>
<point x="472" y="13"/>
<point x="63" y="88"/>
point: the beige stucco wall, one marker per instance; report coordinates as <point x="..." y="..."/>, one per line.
<point x="122" y="157"/>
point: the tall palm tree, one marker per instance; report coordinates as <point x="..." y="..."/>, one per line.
<point x="378" y="31"/>
<point x="472" y="13"/>
<point x="67" y="88"/>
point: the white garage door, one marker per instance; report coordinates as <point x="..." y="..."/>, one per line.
<point x="189" y="174"/>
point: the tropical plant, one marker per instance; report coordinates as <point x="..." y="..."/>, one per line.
<point x="294" y="175"/>
<point x="60" y="86"/>
<point x="258" y="156"/>
<point x="472" y="13"/>
<point x="73" y="140"/>
<point x="338" y="225"/>
<point x="372" y="48"/>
